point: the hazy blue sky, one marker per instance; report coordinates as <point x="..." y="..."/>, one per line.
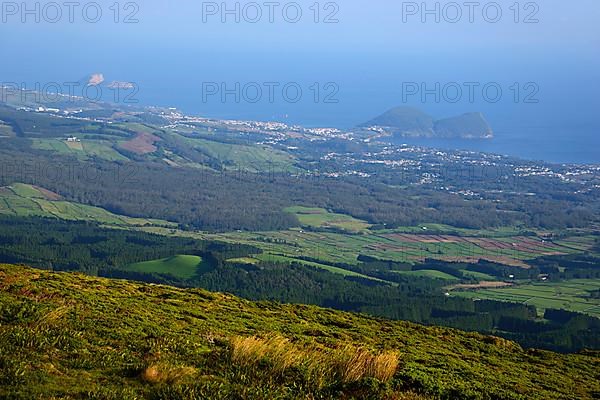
<point x="377" y="25"/>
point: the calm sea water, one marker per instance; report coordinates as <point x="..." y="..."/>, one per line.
<point x="539" y="144"/>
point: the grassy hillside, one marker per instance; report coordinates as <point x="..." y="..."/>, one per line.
<point x="410" y="121"/>
<point x="406" y="120"/>
<point x="471" y="125"/>
<point x="71" y="336"/>
<point x="85" y="150"/>
<point x="23" y="200"/>
<point x="236" y="156"/>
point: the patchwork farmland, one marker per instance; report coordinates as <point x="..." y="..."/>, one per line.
<point x="572" y="295"/>
<point x="410" y="248"/>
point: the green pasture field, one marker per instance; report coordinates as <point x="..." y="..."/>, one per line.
<point x="429" y="274"/>
<point x="480" y="276"/>
<point x="253" y="158"/>
<point x="572" y="295"/>
<point x="139" y="128"/>
<point x="55" y="145"/>
<point x="321" y="218"/>
<point x="102" y="149"/>
<point x="90" y="148"/>
<point x="180" y="266"/>
<point x="26" y="191"/>
<point x="340" y="271"/>
<point x="244" y="260"/>
<point x="452" y="230"/>
<point x="6" y="130"/>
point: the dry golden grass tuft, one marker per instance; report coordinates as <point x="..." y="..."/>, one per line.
<point x="283" y="354"/>
<point x="383" y="366"/>
<point x="409" y="396"/>
<point x="165" y="373"/>
<point x="278" y="351"/>
<point x="53" y="317"/>
<point x="320" y="365"/>
<point x="351" y="363"/>
<point x="354" y="363"/>
<point x="248" y="350"/>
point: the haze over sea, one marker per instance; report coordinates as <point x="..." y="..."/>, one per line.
<point x="369" y="56"/>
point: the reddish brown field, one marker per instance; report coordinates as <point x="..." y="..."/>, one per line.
<point x="48" y="194"/>
<point x="495" y="250"/>
<point x="482" y="285"/>
<point x="142" y="144"/>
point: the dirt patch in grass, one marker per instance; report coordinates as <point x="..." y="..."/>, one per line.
<point x="483" y="285"/>
<point x="74" y="145"/>
<point x="506" y="261"/>
<point x="143" y="143"/>
<point x="408" y="238"/>
<point x="48" y="195"/>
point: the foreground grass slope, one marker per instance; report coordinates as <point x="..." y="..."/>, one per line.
<point x="71" y="336"/>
